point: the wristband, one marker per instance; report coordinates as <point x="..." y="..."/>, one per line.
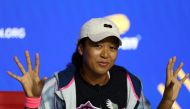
<point x="32" y="102"/>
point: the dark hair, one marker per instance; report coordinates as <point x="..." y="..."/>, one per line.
<point x="76" y="57"/>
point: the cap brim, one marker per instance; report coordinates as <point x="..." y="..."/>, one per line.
<point x="101" y="36"/>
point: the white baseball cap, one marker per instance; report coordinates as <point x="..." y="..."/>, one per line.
<point x="98" y="29"/>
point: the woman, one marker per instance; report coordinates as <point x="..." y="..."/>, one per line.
<point x="92" y="81"/>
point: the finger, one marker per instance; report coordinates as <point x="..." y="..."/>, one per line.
<point x="14" y="76"/>
<point x="44" y="79"/>
<point x="173" y="62"/>
<point x="184" y="78"/>
<point x="178" y="69"/>
<point x="19" y="65"/>
<point x="42" y="82"/>
<point x="28" y="61"/>
<point x="169" y="64"/>
<point x="168" y="72"/>
<point x="37" y="63"/>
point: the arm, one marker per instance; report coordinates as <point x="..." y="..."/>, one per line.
<point x="172" y="85"/>
<point x="30" y="81"/>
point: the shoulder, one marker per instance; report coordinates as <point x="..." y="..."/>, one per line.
<point x="65" y="76"/>
<point x="60" y="79"/>
<point x="132" y="80"/>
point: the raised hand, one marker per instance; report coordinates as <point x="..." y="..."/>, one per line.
<point x="31" y="82"/>
<point x="173" y="85"/>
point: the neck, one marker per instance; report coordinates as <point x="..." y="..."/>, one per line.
<point x="94" y="79"/>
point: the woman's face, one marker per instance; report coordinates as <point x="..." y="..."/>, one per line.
<point x="99" y="57"/>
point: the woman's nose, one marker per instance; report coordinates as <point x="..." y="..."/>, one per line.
<point x="104" y="53"/>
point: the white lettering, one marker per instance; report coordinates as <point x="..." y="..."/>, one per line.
<point x="8" y="33"/>
<point x="130" y="43"/>
<point x="1" y="33"/>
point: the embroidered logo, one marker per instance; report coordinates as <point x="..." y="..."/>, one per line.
<point x="87" y="105"/>
<point x="111" y="105"/>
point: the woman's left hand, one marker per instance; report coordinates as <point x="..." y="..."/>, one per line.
<point x="173" y="85"/>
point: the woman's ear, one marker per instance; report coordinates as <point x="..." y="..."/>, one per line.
<point x="80" y="49"/>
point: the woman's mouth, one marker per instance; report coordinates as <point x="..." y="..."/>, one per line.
<point x="103" y="64"/>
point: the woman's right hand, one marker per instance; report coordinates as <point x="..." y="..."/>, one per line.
<point x="31" y="82"/>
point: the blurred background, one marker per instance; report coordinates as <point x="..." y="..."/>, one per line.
<point x="152" y="32"/>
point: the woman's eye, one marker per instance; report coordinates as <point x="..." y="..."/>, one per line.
<point x="97" y="46"/>
<point x="113" y="48"/>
